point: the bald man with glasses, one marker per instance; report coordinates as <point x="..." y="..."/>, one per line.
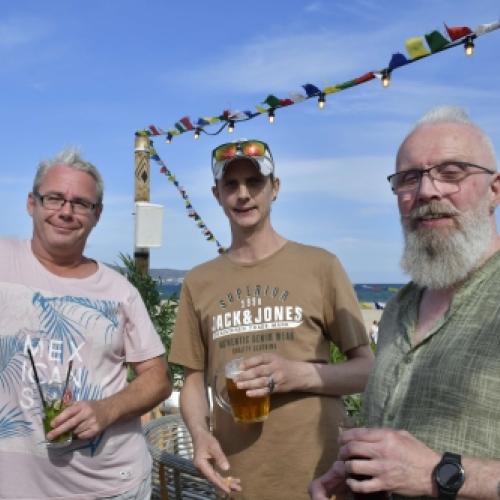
<point x="434" y="392"/>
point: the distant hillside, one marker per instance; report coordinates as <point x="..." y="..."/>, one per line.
<point x="167" y="276"/>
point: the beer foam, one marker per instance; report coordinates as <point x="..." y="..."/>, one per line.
<point x="232" y="368"/>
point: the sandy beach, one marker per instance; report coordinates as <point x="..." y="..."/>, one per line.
<point x="371" y="315"/>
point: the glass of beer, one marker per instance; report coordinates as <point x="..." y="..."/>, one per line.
<point x="345" y="425"/>
<point x="243" y="408"/>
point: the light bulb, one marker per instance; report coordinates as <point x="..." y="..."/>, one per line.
<point x="469" y="46"/>
<point x="197" y="134"/>
<point x="386" y="78"/>
<point x="168" y="140"/>
<point x="271" y="116"/>
<point x="321" y="101"/>
<point x="231" y="127"/>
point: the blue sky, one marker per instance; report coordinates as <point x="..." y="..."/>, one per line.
<point x="92" y="73"/>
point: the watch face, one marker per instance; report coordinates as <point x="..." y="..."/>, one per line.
<point x="450" y="475"/>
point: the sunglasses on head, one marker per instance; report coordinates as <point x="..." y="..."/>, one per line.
<point x="227" y="151"/>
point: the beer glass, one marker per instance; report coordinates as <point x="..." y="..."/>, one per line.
<point x="345" y="425"/>
<point x="243" y="408"/>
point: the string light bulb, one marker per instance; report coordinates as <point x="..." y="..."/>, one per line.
<point x="197" y="134"/>
<point x="168" y="140"/>
<point x="231" y="127"/>
<point x="469" y="46"/>
<point x="321" y="100"/>
<point x="271" y="116"/>
<point x="386" y="78"/>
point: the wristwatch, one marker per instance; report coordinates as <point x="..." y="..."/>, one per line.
<point x="449" y="475"/>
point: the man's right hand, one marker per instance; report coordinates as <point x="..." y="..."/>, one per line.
<point x="331" y="483"/>
<point x="207" y="451"/>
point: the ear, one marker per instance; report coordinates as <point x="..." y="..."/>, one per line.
<point x="276" y="187"/>
<point x="30" y="204"/>
<point x="495" y="189"/>
<point x="215" y="192"/>
<point x="98" y="213"/>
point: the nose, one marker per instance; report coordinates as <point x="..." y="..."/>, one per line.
<point x="243" y="192"/>
<point x="427" y="188"/>
<point x="66" y="210"/>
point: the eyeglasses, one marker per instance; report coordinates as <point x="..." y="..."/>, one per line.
<point x="227" y="151"/>
<point x="448" y="173"/>
<point x="55" y="202"/>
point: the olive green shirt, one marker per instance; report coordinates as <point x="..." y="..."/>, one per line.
<point x="444" y="390"/>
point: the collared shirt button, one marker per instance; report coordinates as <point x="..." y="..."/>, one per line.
<point x="408" y="360"/>
<point x="391" y="416"/>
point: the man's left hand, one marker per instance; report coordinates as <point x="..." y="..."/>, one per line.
<point x="85" y="418"/>
<point x="395" y="460"/>
<point x="255" y="375"/>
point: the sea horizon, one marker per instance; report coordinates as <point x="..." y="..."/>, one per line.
<point x="366" y="292"/>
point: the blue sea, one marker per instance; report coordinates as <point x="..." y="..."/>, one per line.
<point x="366" y="292"/>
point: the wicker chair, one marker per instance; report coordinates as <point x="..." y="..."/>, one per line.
<point x="174" y="475"/>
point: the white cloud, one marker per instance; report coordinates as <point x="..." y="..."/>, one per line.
<point x="283" y="63"/>
<point x="358" y="179"/>
<point x="16" y="31"/>
<point x="313" y="7"/>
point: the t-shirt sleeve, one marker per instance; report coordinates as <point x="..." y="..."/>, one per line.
<point x="188" y="348"/>
<point x="141" y="341"/>
<point x="344" y="321"/>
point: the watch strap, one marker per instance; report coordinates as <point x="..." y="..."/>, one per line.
<point x="448" y="458"/>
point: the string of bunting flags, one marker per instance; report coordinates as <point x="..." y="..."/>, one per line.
<point x="191" y="212"/>
<point x="415" y="48"/>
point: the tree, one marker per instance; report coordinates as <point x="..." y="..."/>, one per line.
<point x="163" y="313"/>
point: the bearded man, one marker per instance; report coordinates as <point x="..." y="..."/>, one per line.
<point x="434" y="392"/>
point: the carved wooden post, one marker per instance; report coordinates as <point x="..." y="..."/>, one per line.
<point x="142" y="189"/>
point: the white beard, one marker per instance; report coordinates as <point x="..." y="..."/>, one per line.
<point x="439" y="258"/>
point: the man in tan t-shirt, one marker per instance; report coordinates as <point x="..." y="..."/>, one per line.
<point x="279" y="305"/>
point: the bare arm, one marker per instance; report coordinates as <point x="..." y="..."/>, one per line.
<point x="196" y="414"/>
<point x="348" y="377"/>
<point x="89" y="418"/>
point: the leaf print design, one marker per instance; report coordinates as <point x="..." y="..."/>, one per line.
<point x="59" y="320"/>
<point x="11" y="360"/>
<point x="87" y="391"/>
<point x="11" y="424"/>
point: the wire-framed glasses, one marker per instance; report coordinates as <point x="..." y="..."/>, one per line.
<point x="56" y="202"/>
<point x="448" y="173"/>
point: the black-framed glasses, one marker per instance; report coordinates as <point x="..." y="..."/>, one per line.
<point x="56" y="202"/>
<point x="448" y="173"/>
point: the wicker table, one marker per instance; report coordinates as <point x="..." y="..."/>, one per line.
<point x="174" y="475"/>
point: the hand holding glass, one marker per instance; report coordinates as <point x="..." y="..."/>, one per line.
<point x="243" y="408"/>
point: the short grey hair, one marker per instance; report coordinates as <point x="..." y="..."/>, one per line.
<point x="70" y="157"/>
<point x="455" y="114"/>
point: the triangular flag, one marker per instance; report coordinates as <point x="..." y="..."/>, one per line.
<point x="415" y="47"/>
<point x="436" y="41"/>
<point x="202" y="122"/>
<point x="310" y="89"/>
<point x="482" y="29"/>
<point x="346" y="85"/>
<point x="331" y="89"/>
<point x="153" y="129"/>
<point x="179" y="127"/>
<point x="187" y="123"/>
<point x="458" y="32"/>
<point x="249" y="114"/>
<point x="286" y="102"/>
<point x="238" y="114"/>
<point x="261" y="110"/>
<point x="365" y="78"/>
<point x="272" y="101"/>
<point x="163" y="170"/>
<point x="297" y="97"/>
<point x="173" y="132"/>
<point x="210" y="119"/>
<point x="397" y="60"/>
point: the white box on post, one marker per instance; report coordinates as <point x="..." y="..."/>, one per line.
<point x="148" y="225"/>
